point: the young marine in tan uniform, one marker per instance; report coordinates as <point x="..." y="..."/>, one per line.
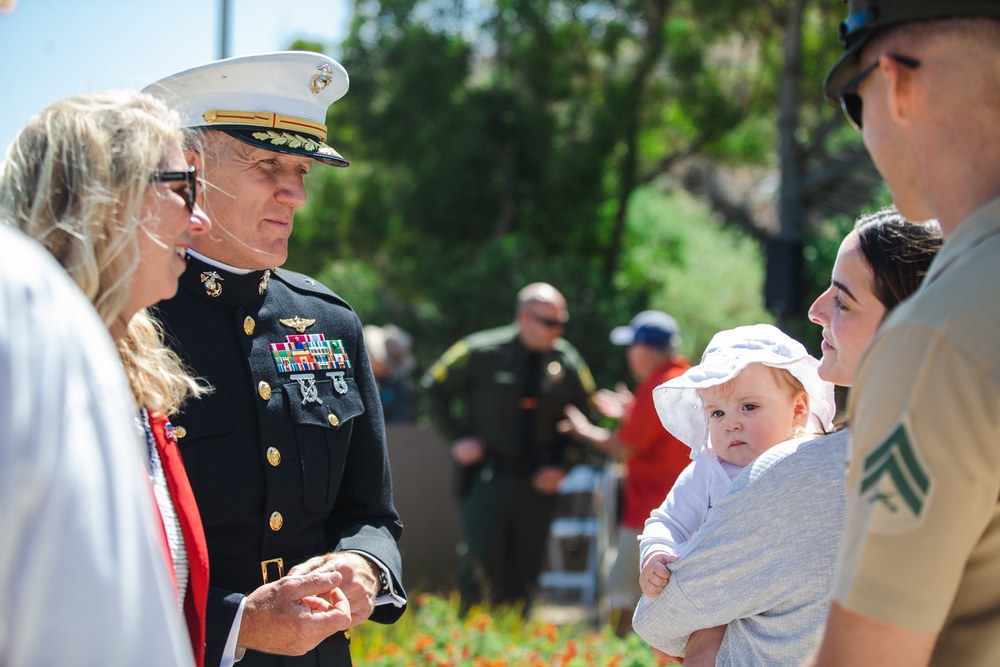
<point x="919" y="581"/>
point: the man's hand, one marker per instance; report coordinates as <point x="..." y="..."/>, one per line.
<point x="654" y="575"/>
<point x="294" y="614"/>
<point x="576" y="424"/>
<point x="468" y="451"/>
<point x="360" y="581"/>
<point x="547" y="479"/>
<point x="612" y="404"/>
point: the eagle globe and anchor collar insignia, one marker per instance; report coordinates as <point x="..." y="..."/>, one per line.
<point x="212" y="283"/>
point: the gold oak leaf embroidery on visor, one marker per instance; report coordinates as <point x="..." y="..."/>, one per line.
<point x="287" y="139"/>
<point x="897" y="478"/>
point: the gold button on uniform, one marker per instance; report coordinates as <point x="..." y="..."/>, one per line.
<point x="180" y="431"/>
<point x="248" y="325"/>
<point x="273" y="456"/>
<point x="264" y="389"/>
<point x="333" y="419"/>
<point x="276" y="521"/>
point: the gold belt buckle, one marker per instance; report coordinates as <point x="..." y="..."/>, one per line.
<point x="277" y="561"/>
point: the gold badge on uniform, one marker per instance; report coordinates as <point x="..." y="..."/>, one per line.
<point x="300" y="324"/>
<point x="212" y="282"/>
<point x="264" y="280"/>
<point x="555" y="371"/>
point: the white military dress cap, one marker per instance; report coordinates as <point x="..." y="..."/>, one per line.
<point x="680" y="407"/>
<point x="276" y="101"/>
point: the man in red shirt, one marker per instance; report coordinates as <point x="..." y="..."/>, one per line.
<point x="653" y="458"/>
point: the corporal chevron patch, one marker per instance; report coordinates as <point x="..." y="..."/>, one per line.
<point x="897" y="484"/>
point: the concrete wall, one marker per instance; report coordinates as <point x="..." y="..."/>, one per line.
<point x="422" y="486"/>
<point x="423" y="490"/>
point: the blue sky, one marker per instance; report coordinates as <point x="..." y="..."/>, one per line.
<point x="53" y="48"/>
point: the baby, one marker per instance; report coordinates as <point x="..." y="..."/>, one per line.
<point x="755" y="388"/>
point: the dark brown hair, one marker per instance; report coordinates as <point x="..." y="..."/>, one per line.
<point x="898" y="252"/>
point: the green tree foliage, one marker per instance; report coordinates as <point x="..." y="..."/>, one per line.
<point x="708" y="276"/>
<point x="494" y="144"/>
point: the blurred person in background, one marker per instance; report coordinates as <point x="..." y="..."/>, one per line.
<point x="498" y="395"/>
<point x="653" y="458"/>
<point x="389" y="349"/>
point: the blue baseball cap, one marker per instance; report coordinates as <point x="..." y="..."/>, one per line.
<point x="653" y="328"/>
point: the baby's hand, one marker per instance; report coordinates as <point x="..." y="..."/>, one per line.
<point x="655" y="575"/>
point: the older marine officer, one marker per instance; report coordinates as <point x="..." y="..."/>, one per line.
<point x="287" y="456"/>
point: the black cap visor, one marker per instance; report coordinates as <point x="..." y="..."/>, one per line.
<point x="283" y="141"/>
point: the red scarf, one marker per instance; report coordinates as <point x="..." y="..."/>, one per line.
<point x="196" y="596"/>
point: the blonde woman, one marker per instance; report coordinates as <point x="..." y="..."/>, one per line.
<point x="101" y="182"/>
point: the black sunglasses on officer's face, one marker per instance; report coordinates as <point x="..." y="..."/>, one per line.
<point x="545" y="321"/>
<point x="190" y="177"/>
<point x="850" y="101"/>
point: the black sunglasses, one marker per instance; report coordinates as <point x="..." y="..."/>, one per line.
<point x="850" y="101"/>
<point x="190" y="177"/>
<point x="545" y="321"/>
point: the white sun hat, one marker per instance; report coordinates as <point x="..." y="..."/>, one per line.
<point x="681" y="409"/>
<point x="276" y="101"/>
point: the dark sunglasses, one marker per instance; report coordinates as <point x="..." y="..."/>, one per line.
<point x="850" y="101"/>
<point x="546" y="321"/>
<point x="190" y="177"/>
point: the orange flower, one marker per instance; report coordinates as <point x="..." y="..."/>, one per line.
<point x="480" y="622"/>
<point x="546" y="631"/>
<point x="423" y="642"/>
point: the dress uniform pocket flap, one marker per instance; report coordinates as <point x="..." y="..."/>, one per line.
<point x="325" y="403"/>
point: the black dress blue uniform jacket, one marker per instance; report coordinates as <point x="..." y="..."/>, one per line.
<point x="287" y="456"/>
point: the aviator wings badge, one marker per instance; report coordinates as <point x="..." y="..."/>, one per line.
<point x="298" y="323"/>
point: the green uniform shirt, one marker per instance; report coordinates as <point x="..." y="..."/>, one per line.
<point x="477" y="386"/>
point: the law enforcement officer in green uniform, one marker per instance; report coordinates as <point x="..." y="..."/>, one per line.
<point x="287" y="456"/>
<point x="498" y="395"/>
<point x="919" y="577"/>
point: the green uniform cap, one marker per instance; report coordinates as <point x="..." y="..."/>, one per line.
<point x="867" y="17"/>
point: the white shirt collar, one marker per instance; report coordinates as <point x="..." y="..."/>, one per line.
<point x="219" y="265"/>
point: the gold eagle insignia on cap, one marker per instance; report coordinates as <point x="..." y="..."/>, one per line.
<point x="298" y="323"/>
